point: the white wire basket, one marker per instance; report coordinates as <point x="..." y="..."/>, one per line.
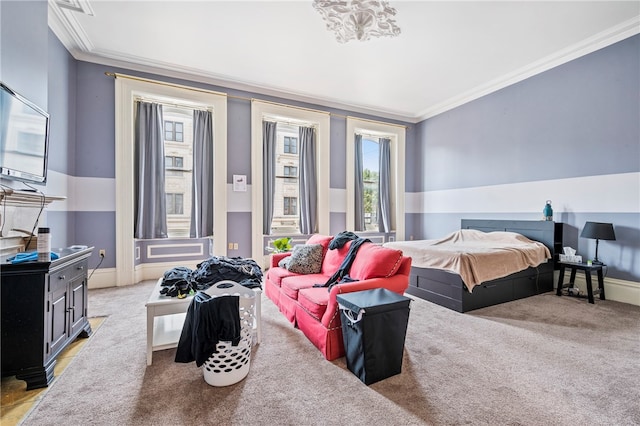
<point x="230" y="364"/>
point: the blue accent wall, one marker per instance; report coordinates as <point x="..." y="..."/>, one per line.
<point x="577" y="121"/>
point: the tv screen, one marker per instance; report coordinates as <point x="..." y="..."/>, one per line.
<point x="24" y="138"/>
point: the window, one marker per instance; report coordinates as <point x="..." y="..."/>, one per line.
<point x="370" y="178"/>
<point x="371" y="132"/>
<point x="175" y="203"/>
<point x="127" y="90"/>
<point x="290" y="171"/>
<point x="290" y="145"/>
<point x="286" y="191"/>
<point x="261" y="111"/>
<point x="178" y="161"/>
<point x="174" y="166"/>
<point x="173" y="131"/>
<point x="290" y="206"/>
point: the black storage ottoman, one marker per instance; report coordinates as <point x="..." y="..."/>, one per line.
<point x="374" y="326"/>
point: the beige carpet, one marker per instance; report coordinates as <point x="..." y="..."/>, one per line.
<point x="544" y="360"/>
<point x="17" y="401"/>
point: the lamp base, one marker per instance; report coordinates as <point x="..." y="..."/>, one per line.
<point x="596" y="262"/>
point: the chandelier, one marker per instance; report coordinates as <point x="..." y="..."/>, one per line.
<point x="358" y="19"/>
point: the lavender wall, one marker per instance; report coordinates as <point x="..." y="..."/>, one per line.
<point x="567" y="134"/>
<point x="23" y="48"/>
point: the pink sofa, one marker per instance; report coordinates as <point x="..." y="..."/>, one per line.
<point x="314" y="310"/>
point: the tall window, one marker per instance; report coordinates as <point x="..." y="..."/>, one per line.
<point x="127" y="90"/>
<point x="372" y="133"/>
<point x="268" y="111"/>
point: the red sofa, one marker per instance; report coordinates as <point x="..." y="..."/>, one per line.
<point x="314" y="310"/>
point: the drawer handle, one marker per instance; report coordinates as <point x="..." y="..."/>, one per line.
<point x="61" y="277"/>
<point x="80" y="268"/>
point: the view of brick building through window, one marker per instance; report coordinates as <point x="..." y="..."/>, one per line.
<point x="285" y="210"/>
<point x="178" y="155"/>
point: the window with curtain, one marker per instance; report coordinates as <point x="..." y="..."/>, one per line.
<point x="375" y="177"/>
<point x="186" y="208"/>
<point x="307" y="139"/>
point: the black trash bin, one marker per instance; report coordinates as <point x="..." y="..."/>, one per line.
<point x="374" y="326"/>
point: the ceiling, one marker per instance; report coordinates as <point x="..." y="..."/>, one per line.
<point x="448" y="53"/>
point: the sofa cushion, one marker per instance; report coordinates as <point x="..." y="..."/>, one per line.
<point x="291" y="285"/>
<point x="323" y="240"/>
<point x="304" y="259"/>
<point x="333" y="259"/>
<point x="277" y="274"/>
<point x="314" y="301"/>
<point x="374" y="261"/>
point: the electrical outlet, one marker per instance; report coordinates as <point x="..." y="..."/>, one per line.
<point x="230" y="246"/>
<point x="103" y="253"/>
<point x="235" y="246"/>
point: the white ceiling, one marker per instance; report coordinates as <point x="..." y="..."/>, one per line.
<point x="449" y="52"/>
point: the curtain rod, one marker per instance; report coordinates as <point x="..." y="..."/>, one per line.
<point x="162" y="83"/>
<point x="172" y="104"/>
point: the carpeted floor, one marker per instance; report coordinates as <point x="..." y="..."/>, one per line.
<point x="17" y="401"/>
<point x="545" y="360"/>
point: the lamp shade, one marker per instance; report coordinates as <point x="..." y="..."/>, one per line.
<point x="598" y="231"/>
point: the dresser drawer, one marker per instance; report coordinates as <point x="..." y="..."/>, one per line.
<point x="63" y="276"/>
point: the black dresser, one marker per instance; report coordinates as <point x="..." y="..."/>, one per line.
<point x="44" y="308"/>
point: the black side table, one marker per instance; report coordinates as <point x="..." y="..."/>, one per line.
<point x="588" y="269"/>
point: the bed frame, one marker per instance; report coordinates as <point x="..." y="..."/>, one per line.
<point x="447" y="289"/>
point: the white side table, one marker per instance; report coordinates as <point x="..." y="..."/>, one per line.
<point x="166" y="315"/>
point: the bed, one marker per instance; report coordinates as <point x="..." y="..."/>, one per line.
<point x="449" y="289"/>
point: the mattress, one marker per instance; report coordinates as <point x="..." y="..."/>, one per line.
<point x="475" y="255"/>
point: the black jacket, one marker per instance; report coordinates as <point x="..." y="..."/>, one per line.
<point x="208" y="321"/>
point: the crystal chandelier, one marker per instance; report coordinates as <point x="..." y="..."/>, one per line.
<point x="358" y="19"/>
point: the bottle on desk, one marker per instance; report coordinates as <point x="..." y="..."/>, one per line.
<point x="44" y="245"/>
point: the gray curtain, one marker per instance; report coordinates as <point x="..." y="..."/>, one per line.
<point x="150" y="199"/>
<point x="308" y="187"/>
<point x="384" y="190"/>
<point x="202" y="185"/>
<point x="359" y="185"/>
<point x="269" y="147"/>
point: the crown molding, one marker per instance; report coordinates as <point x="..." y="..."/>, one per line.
<point x="76" y="41"/>
<point x="65" y="26"/>
<point x="603" y="39"/>
<point x="116" y="59"/>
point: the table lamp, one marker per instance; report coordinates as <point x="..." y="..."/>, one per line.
<point x="598" y="231"/>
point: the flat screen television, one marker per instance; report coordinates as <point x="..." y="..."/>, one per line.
<point x="24" y="138"/>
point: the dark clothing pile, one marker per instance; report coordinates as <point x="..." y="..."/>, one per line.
<point x="245" y="272"/>
<point x="342" y="274"/>
<point x="182" y="281"/>
<point x="208" y="321"/>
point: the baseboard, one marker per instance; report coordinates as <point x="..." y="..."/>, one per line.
<point x="615" y="289"/>
<point x="103" y="278"/>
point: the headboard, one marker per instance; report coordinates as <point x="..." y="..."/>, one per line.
<point x="547" y="232"/>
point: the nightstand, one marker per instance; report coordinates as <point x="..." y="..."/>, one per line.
<point x="588" y="270"/>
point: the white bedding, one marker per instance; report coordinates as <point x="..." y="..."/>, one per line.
<point x="475" y="255"/>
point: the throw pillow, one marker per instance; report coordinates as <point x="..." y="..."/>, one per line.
<point x="306" y="259"/>
<point x="284" y="262"/>
<point x="374" y="261"/>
